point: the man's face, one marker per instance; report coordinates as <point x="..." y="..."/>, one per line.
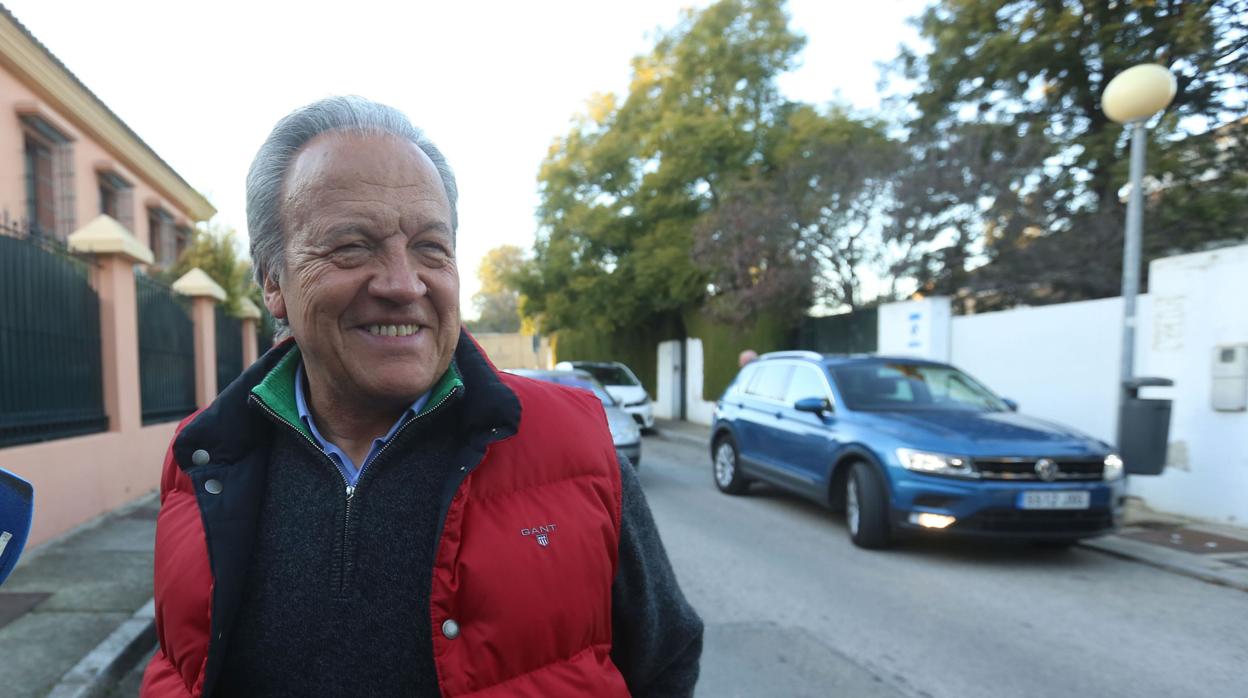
<point x="369" y="285"/>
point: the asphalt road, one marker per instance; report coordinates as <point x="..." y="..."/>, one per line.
<point x="792" y="608"/>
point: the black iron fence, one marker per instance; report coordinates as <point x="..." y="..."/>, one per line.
<point x="849" y="333"/>
<point x="229" y="348"/>
<point x="51" y="382"/>
<point x="166" y="352"/>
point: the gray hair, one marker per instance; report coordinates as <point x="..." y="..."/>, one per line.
<point x="268" y="171"/>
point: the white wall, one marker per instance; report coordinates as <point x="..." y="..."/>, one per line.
<point x="697" y="410"/>
<point x="666" y="399"/>
<point x="1059" y="362"/>
<point x="1200" y="301"/>
<point x="915" y="328"/>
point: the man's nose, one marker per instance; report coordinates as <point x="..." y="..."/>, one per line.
<point x="398" y="279"/>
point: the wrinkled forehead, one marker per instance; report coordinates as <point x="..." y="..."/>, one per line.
<point x="339" y="166"/>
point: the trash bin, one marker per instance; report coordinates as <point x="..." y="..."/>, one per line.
<point x="1143" y="427"/>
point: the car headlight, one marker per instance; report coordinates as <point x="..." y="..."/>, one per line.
<point x="625" y="432"/>
<point x="935" y="463"/>
<point x="1113" y="467"/>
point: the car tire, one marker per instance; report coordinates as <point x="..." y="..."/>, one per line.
<point x="866" y="507"/>
<point x="724" y="467"/>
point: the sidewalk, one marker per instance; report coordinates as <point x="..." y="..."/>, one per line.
<point x="1214" y="553"/>
<point x="76" y="615"/>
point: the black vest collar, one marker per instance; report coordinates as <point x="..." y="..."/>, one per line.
<point x="231" y="428"/>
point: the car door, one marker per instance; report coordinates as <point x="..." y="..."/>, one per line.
<point x="761" y="403"/>
<point x="808" y="439"/>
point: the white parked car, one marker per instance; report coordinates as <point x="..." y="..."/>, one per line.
<point x="622" y="383"/>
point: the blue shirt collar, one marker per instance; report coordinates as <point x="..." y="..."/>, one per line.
<point x="349" y="469"/>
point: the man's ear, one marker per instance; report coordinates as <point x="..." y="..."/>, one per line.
<point x="273" y="299"/>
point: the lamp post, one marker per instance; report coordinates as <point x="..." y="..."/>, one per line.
<point x="1131" y="98"/>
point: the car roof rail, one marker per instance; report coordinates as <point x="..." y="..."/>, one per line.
<point x="795" y="354"/>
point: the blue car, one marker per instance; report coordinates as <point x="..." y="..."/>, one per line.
<point x="906" y="445"/>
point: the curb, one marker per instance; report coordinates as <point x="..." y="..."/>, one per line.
<point x="1131" y="550"/>
<point x="105" y="665"/>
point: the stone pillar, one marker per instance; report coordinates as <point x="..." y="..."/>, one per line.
<point x="204" y="294"/>
<point x="250" y="315"/>
<point x="116" y="252"/>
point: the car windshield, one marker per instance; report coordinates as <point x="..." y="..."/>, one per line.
<point x="608" y="374"/>
<point x="901" y="386"/>
<point x="579" y="382"/>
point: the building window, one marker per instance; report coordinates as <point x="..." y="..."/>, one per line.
<point x="162" y="237"/>
<point x="116" y="199"/>
<point x="40" y="213"/>
<point x="183" y="235"/>
<point x="48" y="156"/>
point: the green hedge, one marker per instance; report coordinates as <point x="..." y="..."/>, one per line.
<point x="636" y="348"/>
<point x="723" y="343"/>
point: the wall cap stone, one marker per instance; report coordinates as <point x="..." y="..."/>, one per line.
<point x="197" y="283"/>
<point x="248" y="310"/>
<point x="103" y="235"/>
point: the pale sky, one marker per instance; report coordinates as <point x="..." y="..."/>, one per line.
<point x="492" y="83"/>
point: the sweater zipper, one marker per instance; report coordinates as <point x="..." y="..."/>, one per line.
<point x="345" y="552"/>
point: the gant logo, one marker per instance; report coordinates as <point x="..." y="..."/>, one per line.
<point x="542" y="533"/>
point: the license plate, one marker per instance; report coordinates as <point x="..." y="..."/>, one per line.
<point x="1054" y="500"/>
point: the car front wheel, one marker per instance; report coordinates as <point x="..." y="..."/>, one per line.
<point x="728" y="476"/>
<point x="866" y="507"/>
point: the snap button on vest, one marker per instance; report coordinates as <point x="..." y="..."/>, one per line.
<point x="450" y="629"/>
<point x="213" y="486"/>
<point x="199" y="457"/>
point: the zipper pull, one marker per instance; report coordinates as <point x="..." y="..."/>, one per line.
<point x="350" y="491"/>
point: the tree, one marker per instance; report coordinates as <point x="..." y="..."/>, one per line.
<point x="1034" y="71"/>
<point x="802" y="225"/>
<point x="498" y="301"/>
<point x="953" y="205"/>
<point x="213" y="249"/>
<point x="837" y="170"/>
<point x="751" y="249"/>
<point x="622" y="192"/>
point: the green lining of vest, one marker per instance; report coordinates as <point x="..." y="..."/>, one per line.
<point x="277" y="390"/>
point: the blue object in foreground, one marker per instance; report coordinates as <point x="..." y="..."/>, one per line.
<point x="17" y="507"/>
<point x="907" y="445"/>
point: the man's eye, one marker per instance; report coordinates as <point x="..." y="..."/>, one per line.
<point x="431" y="248"/>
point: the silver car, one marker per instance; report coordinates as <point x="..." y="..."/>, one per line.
<point x="622" y="383"/>
<point x="624" y="430"/>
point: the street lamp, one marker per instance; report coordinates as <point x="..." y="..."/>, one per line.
<point x="1131" y="98"/>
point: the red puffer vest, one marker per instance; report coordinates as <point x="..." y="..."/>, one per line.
<point x="516" y="610"/>
<point x="533" y="619"/>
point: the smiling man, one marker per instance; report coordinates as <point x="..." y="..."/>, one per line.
<point x="373" y="509"/>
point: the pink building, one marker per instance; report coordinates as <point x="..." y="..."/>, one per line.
<point x="83" y="379"/>
<point x="65" y="157"/>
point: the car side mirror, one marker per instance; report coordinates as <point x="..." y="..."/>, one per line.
<point x="815" y="405"/>
<point x="1010" y="404"/>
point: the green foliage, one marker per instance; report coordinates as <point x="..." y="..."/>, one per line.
<point x="637" y="349"/>
<point x="214" y="249"/>
<point x="1034" y="72"/>
<point x="498" y="301"/>
<point x="622" y="191"/>
<point x="722" y="344"/>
